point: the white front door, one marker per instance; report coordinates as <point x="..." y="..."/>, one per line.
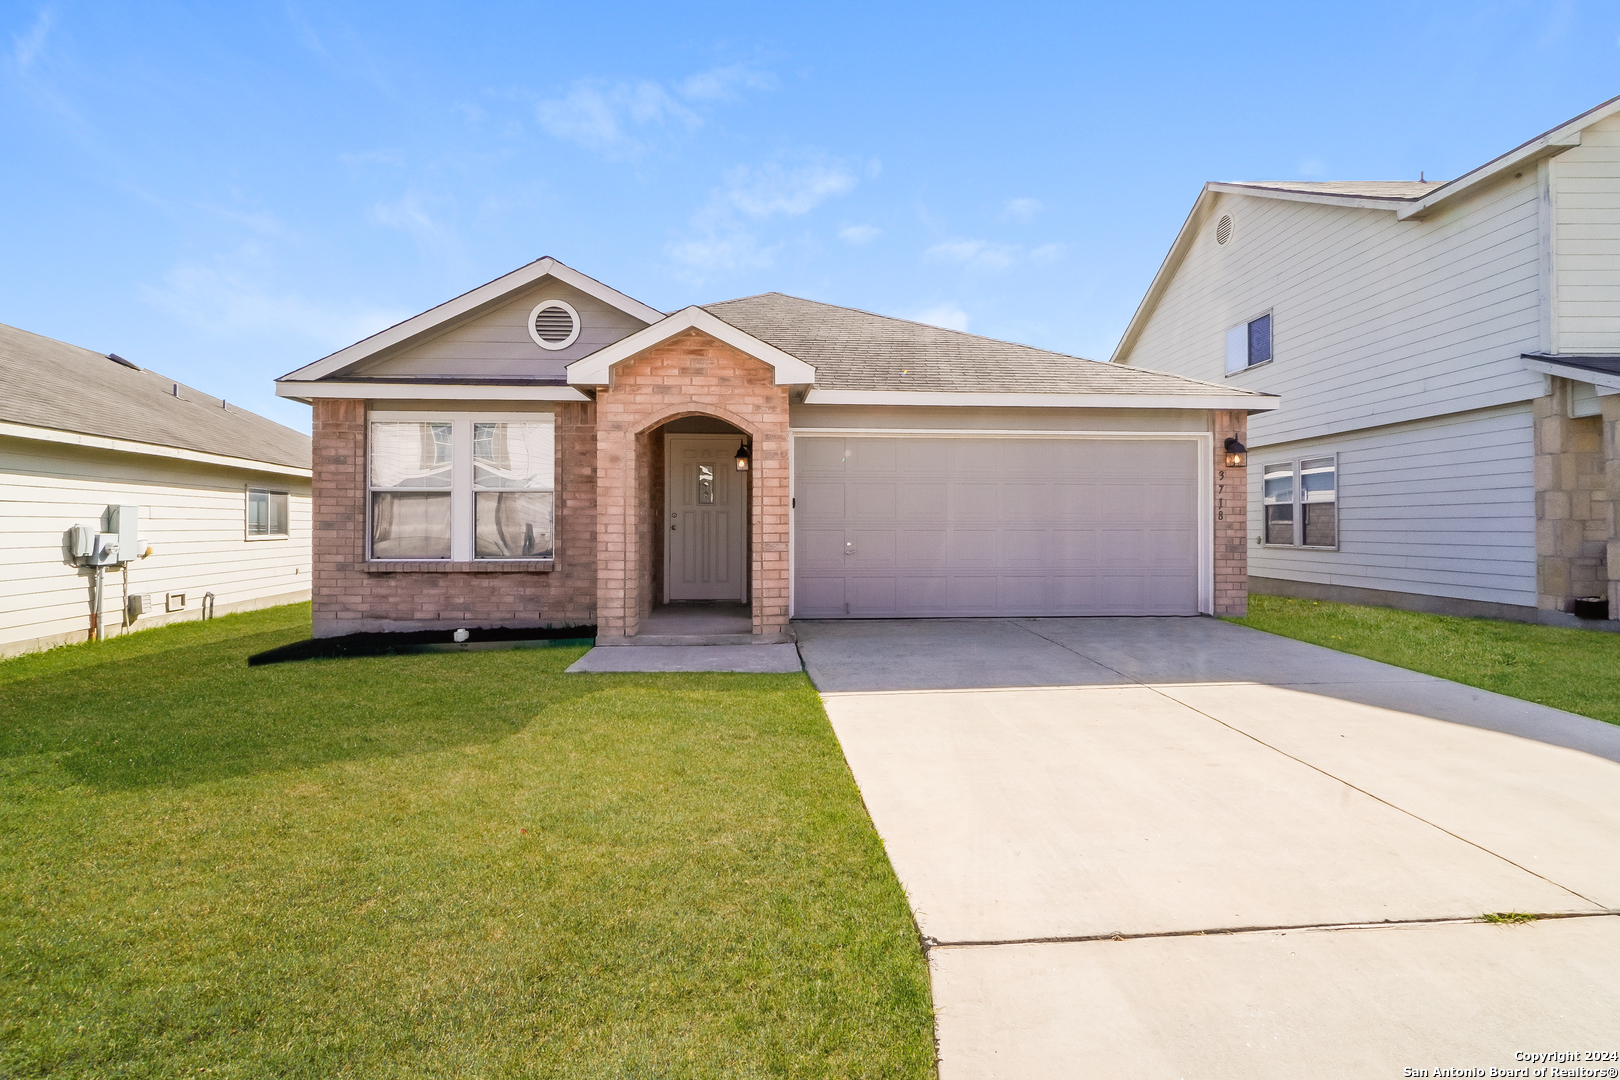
<point x="705" y="519"/>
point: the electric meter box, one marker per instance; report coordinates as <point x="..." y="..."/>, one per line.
<point x="120" y="540"/>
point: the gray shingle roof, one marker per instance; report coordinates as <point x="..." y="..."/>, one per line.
<point x="857" y="350"/>
<point x="51" y="384"/>
<point x="1408" y="190"/>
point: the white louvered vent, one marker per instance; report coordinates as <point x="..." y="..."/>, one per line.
<point x="554" y="324"/>
<point x="1223" y="229"/>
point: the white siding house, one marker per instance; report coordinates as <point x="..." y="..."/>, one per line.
<point x="223" y="497"/>
<point x="1448" y="356"/>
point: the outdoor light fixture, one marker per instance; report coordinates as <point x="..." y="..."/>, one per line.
<point x="742" y="456"/>
<point x="1237" y="455"/>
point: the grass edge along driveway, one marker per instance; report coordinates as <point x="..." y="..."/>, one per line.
<point x="1574" y="670"/>
<point x="463" y="864"/>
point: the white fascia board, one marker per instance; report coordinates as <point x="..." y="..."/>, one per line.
<point x="130" y="446"/>
<point x="1575" y="374"/>
<point x="1258" y="403"/>
<point x="596" y="369"/>
<point x="488" y="293"/>
<point x="354" y="391"/>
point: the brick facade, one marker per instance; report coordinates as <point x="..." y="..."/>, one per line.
<point x="351" y="595"/>
<point x="1231" y="518"/>
<point x="1574" y="514"/>
<point x="691" y="374"/>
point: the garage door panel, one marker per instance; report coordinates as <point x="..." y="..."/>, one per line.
<point x="868" y="456"/>
<point x="868" y="501"/>
<point x="820" y="501"/>
<point x="922" y="526"/>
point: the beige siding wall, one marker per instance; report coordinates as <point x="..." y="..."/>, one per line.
<point x="193" y="515"/>
<point x="496" y="342"/>
<point x="1586" y="241"/>
<point x="1375" y="321"/>
<point x="1441" y="507"/>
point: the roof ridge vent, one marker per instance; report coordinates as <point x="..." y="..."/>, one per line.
<point x="115" y="358"/>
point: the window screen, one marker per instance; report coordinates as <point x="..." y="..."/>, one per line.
<point x="1278" y="497"/>
<point x="1248" y="344"/>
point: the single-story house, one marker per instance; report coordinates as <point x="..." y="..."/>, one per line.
<point x="211" y="501"/>
<point x="545" y="450"/>
<point x="1450" y="355"/>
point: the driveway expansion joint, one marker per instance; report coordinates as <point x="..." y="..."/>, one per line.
<point x="930" y="944"/>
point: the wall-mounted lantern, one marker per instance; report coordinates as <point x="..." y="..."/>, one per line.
<point x="1237" y="455"/>
<point x="742" y="456"/>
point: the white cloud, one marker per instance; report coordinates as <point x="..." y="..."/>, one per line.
<point x="726" y="230"/>
<point x="859" y="234"/>
<point x="228" y="302"/>
<point x="1312" y="167"/>
<point x="974" y="254"/>
<point x="25" y="47"/>
<point x="947" y="315"/>
<point x="722" y="84"/>
<point x="1047" y="254"/>
<point x="1022" y="209"/>
<point x="607" y="119"/>
<point x="410" y="214"/>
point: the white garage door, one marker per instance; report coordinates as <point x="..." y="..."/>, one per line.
<point x="888" y="527"/>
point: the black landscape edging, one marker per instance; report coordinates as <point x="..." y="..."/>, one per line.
<point x="428" y="641"/>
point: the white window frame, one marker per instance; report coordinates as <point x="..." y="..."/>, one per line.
<point x="1297" y="464"/>
<point x="1237" y="344"/>
<point x="247" y="513"/>
<point x="461" y="478"/>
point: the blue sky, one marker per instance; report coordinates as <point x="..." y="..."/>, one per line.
<point x="226" y="192"/>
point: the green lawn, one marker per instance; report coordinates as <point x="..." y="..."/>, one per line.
<point x="1575" y="670"/>
<point x="462" y="864"/>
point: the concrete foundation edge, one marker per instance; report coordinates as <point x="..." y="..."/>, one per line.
<point x="148" y="622"/>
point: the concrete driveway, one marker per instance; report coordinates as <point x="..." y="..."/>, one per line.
<point x="1181" y="848"/>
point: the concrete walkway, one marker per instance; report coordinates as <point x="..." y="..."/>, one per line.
<point x="1180" y="848"/>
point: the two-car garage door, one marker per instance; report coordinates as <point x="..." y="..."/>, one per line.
<point x="916" y="526"/>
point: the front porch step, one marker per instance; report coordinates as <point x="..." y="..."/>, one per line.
<point x="784" y="638"/>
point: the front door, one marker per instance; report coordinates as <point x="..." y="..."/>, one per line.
<point x="705" y="519"/>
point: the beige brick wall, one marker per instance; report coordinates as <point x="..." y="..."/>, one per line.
<point x="691" y="374"/>
<point x="351" y="596"/>
<point x="1231" y="517"/>
<point x="1574" y="511"/>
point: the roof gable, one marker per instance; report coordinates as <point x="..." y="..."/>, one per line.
<point x="596" y="369"/>
<point x="437" y="321"/>
<point x="1408" y="200"/>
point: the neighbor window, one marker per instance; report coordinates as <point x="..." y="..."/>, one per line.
<point x="266" y="514"/>
<point x="1300" y="501"/>
<point x="462" y="487"/>
<point x="1248" y="344"/>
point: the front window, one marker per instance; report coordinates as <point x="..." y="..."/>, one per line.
<point x="462" y="487"/>
<point x="1301" y="501"/>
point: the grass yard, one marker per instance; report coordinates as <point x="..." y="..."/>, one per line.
<point x="1574" y="670"/>
<point x="462" y="864"/>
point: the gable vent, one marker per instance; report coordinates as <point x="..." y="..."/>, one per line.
<point x="1223" y="229"/>
<point x="554" y="324"/>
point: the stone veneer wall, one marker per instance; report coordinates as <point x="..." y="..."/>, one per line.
<point x="1231" y="517"/>
<point x="690" y="374"/>
<point x="352" y="595"/>
<point x="1574" y="512"/>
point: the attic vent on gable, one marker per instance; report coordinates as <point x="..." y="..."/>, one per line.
<point x="554" y="324"/>
<point x="1223" y="229"/>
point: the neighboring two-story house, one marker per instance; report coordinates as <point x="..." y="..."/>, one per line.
<point x="1449" y="355"/>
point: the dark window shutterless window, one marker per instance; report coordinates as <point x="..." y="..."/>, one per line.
<point x="1248" y="344"/>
